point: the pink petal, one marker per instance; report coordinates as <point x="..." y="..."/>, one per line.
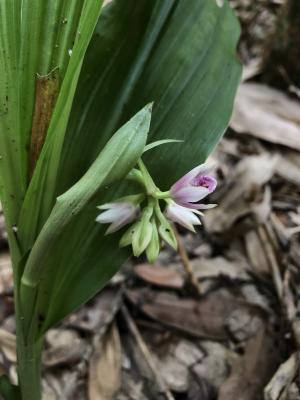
<point x="206" y="181"/>
<point x="190" y="194"/>
<point x="187" y="178"/>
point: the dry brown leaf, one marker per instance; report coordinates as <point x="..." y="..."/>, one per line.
<point x="288" y="167"/>
<point x="63" y="384"/>
<point x="159" y="275"/>
<point x="216" y="365"/>
<point x="256" y="253"/>
<point x="188" y="353"/>
<point x="97" y="315"/>
<point x="217" y="267"/>
<point x="252" y="371"/>
<point x="6" y="276"/>
<point x="210" y="317"/>
<point x="244" y="194"/>
<point x="65" y="347"/>
<point x="105" y="366"/>
<point x="268" y="114"/>
<point x="174" y="373"/>
<point x="284" y="376"/>
<point x="8" y="345"/>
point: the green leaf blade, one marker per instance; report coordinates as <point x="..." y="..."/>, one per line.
<point x="115" y="161"/>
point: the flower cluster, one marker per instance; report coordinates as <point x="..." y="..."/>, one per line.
<point x="149" y="225"/>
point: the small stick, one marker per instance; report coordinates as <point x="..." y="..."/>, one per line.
<point x="146" y="352"/>
<point x="274" y="267"/>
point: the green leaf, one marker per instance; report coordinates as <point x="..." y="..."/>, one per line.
<point x="8" y="390"/>
<point x="114" y="162"/>
<point x="179" y="54"/>
<point x="38" y="202"/>
<point x="12" y="152"/>
<point x="182" y="56"/>
<point x="157" y="143"/>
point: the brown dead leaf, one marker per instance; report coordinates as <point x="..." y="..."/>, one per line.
<point x="105" y="366"/>
<point x="256" y="253"/>
<point x="208" y="268"/>
<point x="97" y="315"/>
<point x="216" y="365"/>
<point x="206" y="318"/>
<point x="63" y="384"/>
<point x="65" y="347"/>
<point x="8" y="345"/>
<point x="268" y="114"/>
<point x="6" y="276"/>
<point x="282" y="379"/>
<point x="174" y="373"/>
<point x="252" y="371"/>
<point x="244" y="194"/>
<point x="159" y="275"/>
<point x="288" y="167"/>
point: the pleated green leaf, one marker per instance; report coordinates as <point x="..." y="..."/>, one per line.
<point x="179" y="54"/>
<point x="48" y="268"/>
<point x="12" y="153"/>
<point x="40" y="196"/>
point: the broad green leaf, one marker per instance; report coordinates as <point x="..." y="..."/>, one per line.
<point x="39" y="202"/>
<point x="114" y="162"/>
<point x="182" y="56"/>
<point x="12" y="153"/>
<point x="48" y="31"/>
<point x="179" y="54"/>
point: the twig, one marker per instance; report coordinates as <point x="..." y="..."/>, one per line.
<point x="272" y="260"/>
<point x="291" y="309"/>
<point x="146" y="353"/>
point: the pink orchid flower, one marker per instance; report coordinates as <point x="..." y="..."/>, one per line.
<point x="193" y="187"/>
<point x="118" y="214"/>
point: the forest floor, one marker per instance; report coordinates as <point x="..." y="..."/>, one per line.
<point x="221" y="319"/>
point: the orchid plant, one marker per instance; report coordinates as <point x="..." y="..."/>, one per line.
<point x="76" y="82"/>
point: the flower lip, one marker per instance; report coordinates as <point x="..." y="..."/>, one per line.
<point x="183" y="215"/>
<point x="205" y="181"/>
<point x="194" y="186"/>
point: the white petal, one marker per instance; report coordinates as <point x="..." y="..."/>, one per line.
<point x="183" y="216"/>
<point x="108" y="206"/>
<point x="111" y="215"/>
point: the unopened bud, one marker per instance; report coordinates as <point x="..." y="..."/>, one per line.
<point x="166" y="232"/>
<point x="153" y="248"/>
<point x="143" y="233"/>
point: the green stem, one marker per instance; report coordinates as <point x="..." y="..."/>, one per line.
<point x="162" y="195"/>
<point x="148" y="181"/>
<point x="28" y="348"/>
<point x="29" y="367"/>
